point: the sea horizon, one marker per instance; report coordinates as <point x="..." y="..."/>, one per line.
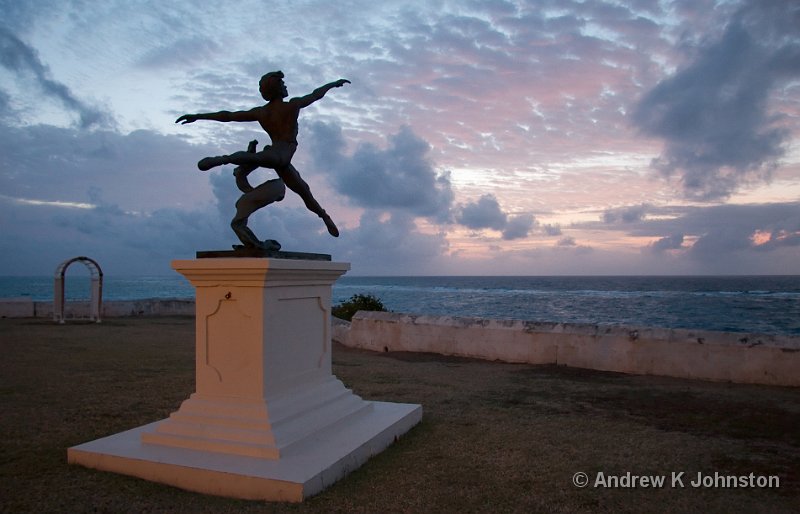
<point x="767" y="304"/>
<point x="35" y="286"/>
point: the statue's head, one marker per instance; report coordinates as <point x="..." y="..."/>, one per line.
<point x="272" y="87"/>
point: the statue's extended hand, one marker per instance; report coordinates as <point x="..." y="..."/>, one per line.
<point x="341" y="82"/>
<point x="186" y="118"/>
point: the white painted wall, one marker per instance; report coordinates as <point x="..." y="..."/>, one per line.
<point x="706" y="355"/>
<point x="27" y="308"/>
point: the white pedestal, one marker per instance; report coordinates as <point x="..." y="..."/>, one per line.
<point x="268" y="419"/>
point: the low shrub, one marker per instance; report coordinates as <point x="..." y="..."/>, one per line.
<point x="357" y="302"/>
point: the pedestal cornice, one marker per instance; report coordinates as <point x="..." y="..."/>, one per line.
<point x="259" y="272"/>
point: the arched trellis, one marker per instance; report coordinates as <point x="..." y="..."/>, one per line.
<point x="97" y="289"/>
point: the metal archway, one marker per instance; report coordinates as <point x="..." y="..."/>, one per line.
<point x="96" y="286"/>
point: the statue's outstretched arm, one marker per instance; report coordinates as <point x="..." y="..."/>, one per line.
<point x="225" y="116"/>
<point x="318" y="93"/>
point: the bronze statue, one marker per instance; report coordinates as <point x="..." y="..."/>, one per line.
<point x="278" y="118"/>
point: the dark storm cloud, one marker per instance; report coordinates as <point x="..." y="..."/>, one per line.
<point x="713" y="114"/>
<point x="395" y="238"/>
<point x="629" y="214"/>
<point x="393" y="243"/>
<point x="718" y="231"/>
<point x="486" y="213"/>
<point x="132" y="201"/>
<point x="399" y="177"/>
<point x="733" y="226"/>
<point x="141" y="170"/>
<point x="673" y="242"/>
<point x="122" y="242"/>
<point x="519" y="226"/>
<point x="23" y="60"/>
<point x="729" y="228"/>
<point x="225" y="194"/>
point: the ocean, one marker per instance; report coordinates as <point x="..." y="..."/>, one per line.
<point x="755" y="304"/>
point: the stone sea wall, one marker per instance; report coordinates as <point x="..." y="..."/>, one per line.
<point x="705" y="355"/>
<point x="696" y="354"/>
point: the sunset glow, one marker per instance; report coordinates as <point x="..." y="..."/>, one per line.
<point x="487" y="137"/>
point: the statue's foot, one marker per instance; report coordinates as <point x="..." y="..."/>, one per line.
<point x="332" y="230"/>
<point x="212" y="162"/>
<point x="270" y="244"/>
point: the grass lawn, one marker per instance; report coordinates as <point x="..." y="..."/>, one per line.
<point x="495" y="437"/>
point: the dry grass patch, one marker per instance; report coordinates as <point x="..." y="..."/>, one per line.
<point x="495" y="437"/>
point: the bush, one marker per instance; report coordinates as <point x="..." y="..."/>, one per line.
<point x="357" y="302"/>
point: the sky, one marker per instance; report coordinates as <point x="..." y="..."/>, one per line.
<point x="499" y="137"/>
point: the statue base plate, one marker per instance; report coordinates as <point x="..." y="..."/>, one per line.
<point x="302" y="472"/>
<point x="258" y="252"/>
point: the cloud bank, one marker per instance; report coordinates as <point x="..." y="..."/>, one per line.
<point x="399" y="177"/>
<point x="22" y="60"/>
<point x="476" y="137"/>
<point x="713" y="114"/>
<point x="711" y="238"/>
<point x="486" y="213"/>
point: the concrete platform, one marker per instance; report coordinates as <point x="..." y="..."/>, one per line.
<point x="301" y="472"/>
<point x="268" y="419"/>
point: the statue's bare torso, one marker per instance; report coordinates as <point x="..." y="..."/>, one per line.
<point x="279" y="120"/>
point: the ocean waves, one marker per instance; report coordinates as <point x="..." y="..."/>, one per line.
<point x="764" y="304"/>
<point x="737" y="304"/>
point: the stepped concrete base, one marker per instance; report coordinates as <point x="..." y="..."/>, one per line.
<point x="268" y="419"/>
<point x="300" y="472"/>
